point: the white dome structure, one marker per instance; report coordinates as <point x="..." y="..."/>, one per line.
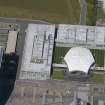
<point x="79" y="59"/>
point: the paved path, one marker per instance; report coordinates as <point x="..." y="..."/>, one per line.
<point x="83" y="6"/>
<point x="21" y="20"/>
<point x="78" y="44"/>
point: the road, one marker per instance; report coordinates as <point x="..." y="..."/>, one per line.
<point x="21" y="20"/>
<point x="83" y="12"/>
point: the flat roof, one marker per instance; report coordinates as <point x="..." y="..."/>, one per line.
<point x="81" y="34"/>
<point x="38" y="48"/>
<point x="11" y="42"/>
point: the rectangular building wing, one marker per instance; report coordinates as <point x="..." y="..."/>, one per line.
<point x="38" y="49"/>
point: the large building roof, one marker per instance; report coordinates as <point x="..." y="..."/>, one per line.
<point x="79" y="59"/>
<point x="93" y="36"/>
<point x="37" y="53"/>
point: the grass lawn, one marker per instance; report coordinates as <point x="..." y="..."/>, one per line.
<point x="90" y="12"/>
<point x="95" y="102"/>
<point x="59" y="54"/>
<point x="98" y="78"/>
<point x="56" y="11"/>
<point x="99" y="57"/>
<point x="100" y="13"/>
<point x="58" y="74"/>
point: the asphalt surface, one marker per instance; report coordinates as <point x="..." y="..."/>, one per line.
<point x="83" y="12"/>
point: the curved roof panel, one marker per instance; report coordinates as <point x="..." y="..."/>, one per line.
<point x="79" y="59"/>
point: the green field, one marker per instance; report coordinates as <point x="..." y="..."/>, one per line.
<point x="60" y="52"/>
<point x="100" y="13"/>
<point x="90" y="12"/>
<point x="99" y="57"/>
<point x="58" y="74"/>
<point x="98" y="78"/>
<point x="56" y="11"/>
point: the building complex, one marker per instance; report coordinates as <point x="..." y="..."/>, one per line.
<point x="46" y="46"/>
<point x="49" y="48"/>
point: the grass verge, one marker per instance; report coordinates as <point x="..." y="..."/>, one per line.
<point x="55" y="11"/>
<point x="90" y="12"/>
<point x="99" y="57"/>
<point x="58" y="74"/>
<point x="59" y="54"/>
<point x="98" y="78"/>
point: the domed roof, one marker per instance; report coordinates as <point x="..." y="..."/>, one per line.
<point x="79" y="59"/>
